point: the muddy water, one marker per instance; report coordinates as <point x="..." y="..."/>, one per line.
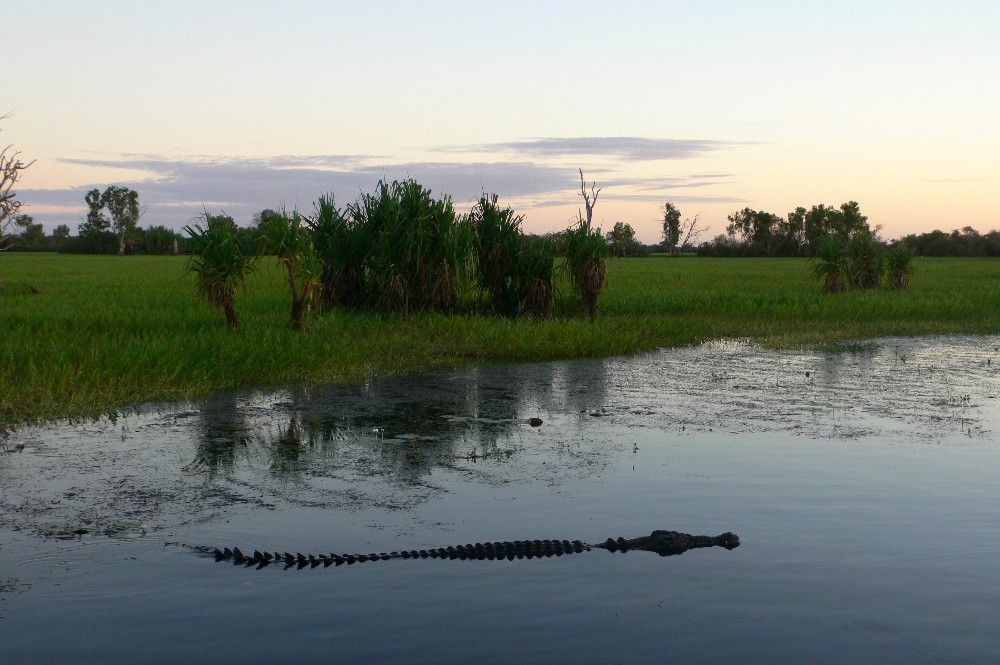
<point x="864" y="486"/>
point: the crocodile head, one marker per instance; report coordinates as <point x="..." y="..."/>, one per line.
<point x="667" y="543"/>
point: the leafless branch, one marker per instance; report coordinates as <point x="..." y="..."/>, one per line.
<point x="11" y="168"/>
<point x="691" y="231"/>
<point x="589" y="200"/>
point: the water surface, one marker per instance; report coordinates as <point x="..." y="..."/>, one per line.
<point x="863" y="485"/>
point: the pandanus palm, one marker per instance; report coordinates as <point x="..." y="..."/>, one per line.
<point x="221" y="262"/>
<point x="586" y="250"/>
<point x="829" y="265"/>
<point x="342" y="246"/>
<point x="536" y="277"/>
<point x="287" y="238"/>
<point x="899" y="266"/>
<point x="418" y="247"/>
<point x="498" y="238"/>
<point x="865" y="261"/>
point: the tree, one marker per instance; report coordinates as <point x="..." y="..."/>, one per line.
<point x="497" y="244"/>
<point x="755" y="228"/>
<point x="123" y="204"/>
<point x="671" y="227"/>
<point x="621" y="238"/>
<point x="11" y="169"/>
<point x="820" y="221"/>
<point x="159" y="239"/>
<point x="851" y="220"/>
<point x="31" y="233"/>
<point x="61" y="232"/>
<point x="690" y="232"/>
<point x="95" y="232"/>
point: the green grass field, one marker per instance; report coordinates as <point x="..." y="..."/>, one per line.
<point x="108" y="332"/>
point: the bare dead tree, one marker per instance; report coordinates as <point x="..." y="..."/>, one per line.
<point x="589" y="199"/>
<point x="690" y="231"/>
<point x="11" y="168"/>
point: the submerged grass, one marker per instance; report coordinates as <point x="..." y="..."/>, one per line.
<point x="109" y="332"/>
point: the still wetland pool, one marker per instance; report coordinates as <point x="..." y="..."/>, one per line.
<point x="865" y="486"/>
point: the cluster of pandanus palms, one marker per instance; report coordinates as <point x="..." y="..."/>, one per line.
<point x="400" y="250"/>
<point x="861" y="261"/>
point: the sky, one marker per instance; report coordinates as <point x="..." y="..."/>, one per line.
<point x="714" y="106"/>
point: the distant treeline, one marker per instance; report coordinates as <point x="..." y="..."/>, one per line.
<point x="749" y="233"/>
<point x="759" y="233"/>
<point x="965" y="242"/>
<point x="151" y="240"/>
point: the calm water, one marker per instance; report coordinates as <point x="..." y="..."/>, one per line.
<point x="864" y="487"/>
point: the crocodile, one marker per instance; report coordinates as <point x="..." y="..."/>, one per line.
<point x="664" y="543"/>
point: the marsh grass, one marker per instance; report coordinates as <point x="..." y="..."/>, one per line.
<point x="108" y="332"/>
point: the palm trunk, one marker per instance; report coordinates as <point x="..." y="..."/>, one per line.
<point x="230" y="311"/>
<point x="593" y="282"/>
<point x="297" y="297"/>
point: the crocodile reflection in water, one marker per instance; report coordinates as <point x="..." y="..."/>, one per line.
<point x="664" y="543"/>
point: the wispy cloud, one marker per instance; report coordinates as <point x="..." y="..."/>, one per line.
<point x="625" y="148"/>
<point x="175" y="191"/>
<point x="661" y="184"/>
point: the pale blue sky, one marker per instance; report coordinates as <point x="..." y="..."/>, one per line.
<point x="238" y="106"/>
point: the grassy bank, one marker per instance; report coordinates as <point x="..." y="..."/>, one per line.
<point x="107" y="332"/>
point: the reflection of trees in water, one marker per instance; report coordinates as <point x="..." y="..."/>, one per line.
<point x="397" y="429"/>
<point x="405" y="428"/>
<point x="286" y="449"/>
<point x="583" y="384"/>
<point x="224" y="432"/>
